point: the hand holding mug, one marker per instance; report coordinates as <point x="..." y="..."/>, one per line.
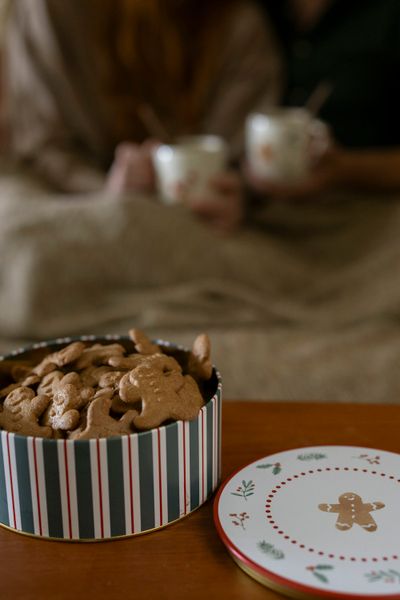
<point x="221" y="205"/>
<point x="132" y="169"/>
<point x="184" y="169"/>
<point x="290" y="154"/>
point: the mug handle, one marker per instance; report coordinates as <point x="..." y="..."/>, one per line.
<point x="321" y="139"/>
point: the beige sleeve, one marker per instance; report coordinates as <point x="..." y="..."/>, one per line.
<point x="47" y="117"/>
<point x="249" y="78"/>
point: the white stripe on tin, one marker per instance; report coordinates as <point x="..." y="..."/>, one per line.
<point x="128" y="484"/>
<point x="63" y="340"/>
<point x="37" y="484"/>
<point x="203" y="453"/>
<point x="9" y="491"/>
<point x="157" y="482"/>
<point x="136" y="483"/>
<point x="181" y="468"/>
<point x="158" y="437"/>
<point x="130" y="458"/>
<point x="73" y="496"/>
<point x="164" y="475"/>
<point x="18" y="524"/>
<point x="184" y="467"/>
<point x="64" y="468"/>
<point x="104" y="486"/>
<point x="101" y="500"/>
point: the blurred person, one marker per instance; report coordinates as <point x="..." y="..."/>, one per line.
<point x="353" y="48"/>
<point x="80" y="74"/>
<point x="306" y="305"/>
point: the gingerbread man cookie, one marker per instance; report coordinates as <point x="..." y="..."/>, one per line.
<point x="352" y="510"/>
<point x="165" y="392"/>
<point x="142" y="343"/>
<point x="126" y="362"/>
<point x="99" y="423"/>
<point x="60" y="358"/>
<point x="61" y="393"/>
<point x="199" y="363"/>
<point x="98" y="354"/>
<point x="21" y="412"/>
<point x="69" y="397"/>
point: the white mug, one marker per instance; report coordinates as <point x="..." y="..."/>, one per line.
<point x="278" y="143"/>
<point x="185" y="168"/>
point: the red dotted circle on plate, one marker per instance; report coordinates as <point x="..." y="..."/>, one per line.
<point x="272" y="496"/>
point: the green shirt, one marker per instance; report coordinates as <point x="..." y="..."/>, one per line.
<point x="355" y="47"/>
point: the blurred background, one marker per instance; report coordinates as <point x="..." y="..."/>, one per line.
<point x="287" y="254"/>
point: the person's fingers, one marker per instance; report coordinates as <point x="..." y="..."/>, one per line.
<point x="126" y="150"/>
<point x="221" y="210"/>
<point x="149" y="145"/>
<point x="260" y="185"/>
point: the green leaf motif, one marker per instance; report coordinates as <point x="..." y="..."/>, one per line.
<point x="270" y="550"/>
<point x="312" y="456"/>
<point x="245" y="490"/>
<point x="316" y="571"/>
<point x="321" y="577"/>
<point x="389" y="576"/>
<point x="276" y="467"/>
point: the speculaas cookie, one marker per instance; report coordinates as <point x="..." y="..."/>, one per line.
<point x="21" y="412"/>
<point x="165" y="392"/>
<point x="142" y="343"/>
<point x="81" y="390"/>
<point x="100" y="424"/>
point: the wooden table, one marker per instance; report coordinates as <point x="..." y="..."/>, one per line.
<point x="187" y="558"/>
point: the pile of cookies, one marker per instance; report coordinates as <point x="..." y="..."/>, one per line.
<point x="92" y="391"/>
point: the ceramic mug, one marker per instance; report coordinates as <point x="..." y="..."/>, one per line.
<point x="281" y="143"/>
<point x="185" y="168"/>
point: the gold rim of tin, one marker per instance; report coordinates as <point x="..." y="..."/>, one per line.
<point x="108" y="539"/>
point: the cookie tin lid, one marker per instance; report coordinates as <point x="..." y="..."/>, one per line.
<point x="319" y="521"/>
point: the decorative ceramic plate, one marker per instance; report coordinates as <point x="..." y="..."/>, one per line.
<point x="321" y="522"/>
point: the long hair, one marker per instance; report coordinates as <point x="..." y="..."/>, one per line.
<point x="161" y="53"/>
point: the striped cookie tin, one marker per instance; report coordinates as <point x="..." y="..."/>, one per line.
<point x="109" y="488"/>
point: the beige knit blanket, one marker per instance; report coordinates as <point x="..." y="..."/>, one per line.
<point x="305" y="307"/>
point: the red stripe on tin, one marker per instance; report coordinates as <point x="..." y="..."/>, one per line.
<point x="68" y="491"/>
<point x="184" y="468"/>
<point x="37" y="486"/>
<point x="100" y="489"/>
<point x="160" y="476"/>
<point x="131" y="485"/>
<point x="11" y="479"/>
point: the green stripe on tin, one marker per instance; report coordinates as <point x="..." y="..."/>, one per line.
<point x="172" y="471"/>
<point x="146" y="471"/>
<point x="84" y="492"/>
<point x="3" y="494"/>
<point x="24" y="485"/>
<point x="194" y="464"/>
<point x="116" y="486"/>
<point x="53" y="496"/>
<point x="209" y="443"/>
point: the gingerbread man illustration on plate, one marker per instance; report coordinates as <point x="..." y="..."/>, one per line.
<point x="352" y="510"/>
